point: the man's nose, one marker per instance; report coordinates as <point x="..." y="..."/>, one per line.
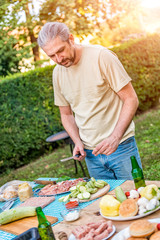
<point x="58" y="58"/>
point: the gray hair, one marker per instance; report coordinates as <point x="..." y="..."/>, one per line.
<point x="50" y="31"/>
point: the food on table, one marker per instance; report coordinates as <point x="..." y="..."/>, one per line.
<point x="37" y="202"/>
<point x="150" y="192"/>
<point x="24" y="191"/>
<point x="62" y="236"/>
<point x="120" y="195"/>
<point x="71" y="214"/>
<point x="141" y="201"/>
<point x="71" y="204"/>
<point x="133" y="194"/>
<point x="158" y="226"/>
<point x="93" y="231"/>
<point x="16" y="214"/>
<point x="135" y="238"/>
<point x="109" y="206"/>
<point x="60" y="187"/>
<point x="9" y="190"/>
<point x="155" y="236"/>
<point x="84" y="190"/>
<point x="141" y="228"/>
<point x="128" y="208"/>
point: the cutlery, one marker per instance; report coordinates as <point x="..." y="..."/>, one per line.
<point x="66" y="159"/>
<point x="7" y="205"/>
<point x="44" y="182"/>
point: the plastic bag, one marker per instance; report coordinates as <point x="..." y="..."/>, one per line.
<point x="9" y="190"/>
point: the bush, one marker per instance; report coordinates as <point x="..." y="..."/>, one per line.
<point x="27" y="116"/>
<point x="141" y="59"/>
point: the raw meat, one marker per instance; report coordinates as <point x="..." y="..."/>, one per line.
<point x="37" y="202"/>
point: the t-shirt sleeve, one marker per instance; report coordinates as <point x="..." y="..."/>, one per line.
<point x="59" y="99"/>
<point x="112" y="70"/>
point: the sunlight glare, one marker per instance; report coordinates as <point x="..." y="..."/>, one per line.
<point x="150" y="3"/>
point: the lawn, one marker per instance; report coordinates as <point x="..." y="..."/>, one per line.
<point x="148" y="141"/>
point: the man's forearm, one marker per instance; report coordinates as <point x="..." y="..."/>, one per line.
<point x="127" y="113"/>
<point x="70" y="126"/>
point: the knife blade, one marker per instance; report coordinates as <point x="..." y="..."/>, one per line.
<point x="69" y="158"/>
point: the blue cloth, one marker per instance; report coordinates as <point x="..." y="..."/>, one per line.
<point x="116" y="165"/>
<point x="54" y="208"/>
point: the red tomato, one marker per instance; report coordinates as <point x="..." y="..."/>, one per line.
<point x="127" y="194"/>
<point x="158" y="226"/>
<point x="71" y="204"/>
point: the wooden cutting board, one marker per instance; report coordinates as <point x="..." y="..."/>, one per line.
<point x="22" y="225"/>
<point x="99" y="193"/>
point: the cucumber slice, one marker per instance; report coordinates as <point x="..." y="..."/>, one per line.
<point x="103" y="182"/>
<point x="82" y="189"/>
<point x="72" y="188"/>
<point x="86" y="195"/>
<point x="94" y="190"/>
<point x="99" y="185"/>
<point x="80" y="196"/>
<point x="66" y="198"/>
<point x="93" y="179"/>
<point x="120" y="195"/>
<point x="91" y="184"/>
<point x="61" y="199"/>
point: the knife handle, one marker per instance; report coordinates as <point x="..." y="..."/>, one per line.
<point x="44" y="182"/>
<point x="77" y="155"/>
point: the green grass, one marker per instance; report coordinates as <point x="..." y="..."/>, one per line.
<point x="148" y="141"/>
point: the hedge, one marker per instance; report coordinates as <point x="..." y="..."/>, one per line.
<point x="27" y="116"/>
<point x="141" y="59"/>
<point x="27" y="112"/>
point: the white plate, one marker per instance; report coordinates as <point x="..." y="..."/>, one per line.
<point x="124" y="234"/>
<point x="118" y="218"/>
<point x="72" y="237"/>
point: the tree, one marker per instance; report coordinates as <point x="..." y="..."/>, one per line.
<point x="83" y="17"/>
<point x="12" y="51"/>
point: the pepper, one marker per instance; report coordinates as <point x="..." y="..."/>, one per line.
<point x="71" y="204"/>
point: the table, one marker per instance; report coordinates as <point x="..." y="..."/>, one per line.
<point x="89" y="212"/>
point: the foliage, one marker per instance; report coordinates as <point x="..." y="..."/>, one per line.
<point x="12" y="49"/>
<point x="141" y="59"/>
<point x="27" y="116"/>
<point x="148" y="141"/>
<point x="26" y="18"/>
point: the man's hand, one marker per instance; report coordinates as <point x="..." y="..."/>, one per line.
<point x="107" y="146"/>
<point x="79" y="149"/>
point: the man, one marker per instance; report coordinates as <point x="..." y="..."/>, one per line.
<point x="96" y="100"/>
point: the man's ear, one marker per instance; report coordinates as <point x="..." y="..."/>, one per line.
<point x="71" y="38"/>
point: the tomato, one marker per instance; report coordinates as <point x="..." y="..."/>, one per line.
<point x="127" y="194"/>
<point x="158" y="226"/>
<point x="71" y="204"/>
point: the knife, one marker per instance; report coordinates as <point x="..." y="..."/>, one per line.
<point x="44" y="182"/>
<point x="69" y="158"/>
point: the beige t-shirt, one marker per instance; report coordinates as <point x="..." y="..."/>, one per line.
<point x="90" y="88"/>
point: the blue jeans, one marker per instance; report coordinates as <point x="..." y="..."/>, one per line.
<point x="116" y="165"/>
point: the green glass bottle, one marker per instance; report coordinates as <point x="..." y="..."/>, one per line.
<point x="137" y="174"/>
<point x="44" y="226"/>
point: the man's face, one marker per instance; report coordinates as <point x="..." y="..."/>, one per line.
<point x="62" y="53"/>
